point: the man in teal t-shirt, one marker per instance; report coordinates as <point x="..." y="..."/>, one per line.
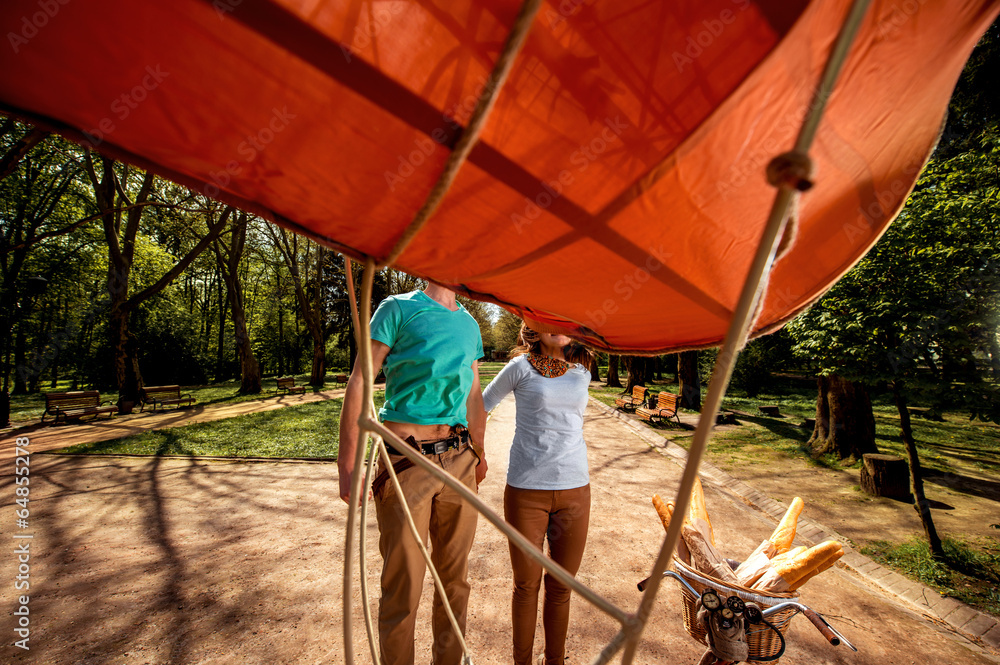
<point x="429" y="347"/>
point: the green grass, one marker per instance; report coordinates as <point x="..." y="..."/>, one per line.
<point x="309" y="430"/>
<point x="968" y="574"/>
<point x="29" y="408"/>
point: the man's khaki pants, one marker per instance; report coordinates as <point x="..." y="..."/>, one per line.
<point x="451" y="523"/>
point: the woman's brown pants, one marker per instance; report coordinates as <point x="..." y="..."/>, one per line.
<point x="563" y="516"/>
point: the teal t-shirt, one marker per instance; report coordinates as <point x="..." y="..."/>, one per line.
<point x="428" y="372"/>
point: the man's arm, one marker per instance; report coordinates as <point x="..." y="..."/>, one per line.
<point x="477" y="422"/>
<point x="350" y="413"/>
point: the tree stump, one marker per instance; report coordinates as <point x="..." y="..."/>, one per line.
<point x="726" y="419"/>
<point x="808" y="423"/>
<point x="885" y="475"/>
<point x="771" y="410"/>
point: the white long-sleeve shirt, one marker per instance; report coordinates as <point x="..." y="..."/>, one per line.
<point x="548" y="452"/>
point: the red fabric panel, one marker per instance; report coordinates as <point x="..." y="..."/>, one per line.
<point x="618" y="187"/>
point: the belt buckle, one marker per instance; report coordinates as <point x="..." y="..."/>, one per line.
<point x="442" y="446"/>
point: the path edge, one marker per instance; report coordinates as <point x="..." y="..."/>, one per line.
<point x="980" y="631"/>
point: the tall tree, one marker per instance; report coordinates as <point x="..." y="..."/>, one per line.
<point x="635" y="366"/>
<point x="229" y="257"/>
<point x="40" y="204"/>
<point x="920" y="310"/>
<point x="121" y="207"/>
<point x="613" y="381"/>
<point x="298" y="258"/>
<point x="689" y="380"/>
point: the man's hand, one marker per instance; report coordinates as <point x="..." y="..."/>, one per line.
<point x="345" y="485"/>
<point x="481" y="469"/>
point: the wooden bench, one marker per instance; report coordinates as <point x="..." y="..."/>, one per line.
<point x="770" y="410"/>
<point x="340" y="378"/>
<point x="161" y="396"/>
<point x="288" y="385"/>
<point x="629" y="402"/>
<point x="665" y="409"/>
<point x="76" y="404"/>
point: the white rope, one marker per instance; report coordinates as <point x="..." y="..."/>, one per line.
<point x="365" y="358"/>
<point x="743" y="316"/>
<point x="487" y="99"/>
<point x="362" y="539"/>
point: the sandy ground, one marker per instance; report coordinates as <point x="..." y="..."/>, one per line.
<point x="188" y="561"/>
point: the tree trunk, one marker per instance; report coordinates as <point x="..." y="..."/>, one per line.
<point x="595" y="372"/>
<point x="127" y="376"/>
<point x="613" y="380"/>
<point x="20" y="362"/>
<point x="228" y="259"/>
<point x="845" y="425"/>
<point x="636" y="366"/>
<point x="689" y="380"/>
<point x="916" y="478"/>
<point x="886" y="475"/>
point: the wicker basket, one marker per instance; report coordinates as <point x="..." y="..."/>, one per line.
<point x="762" y="641"/>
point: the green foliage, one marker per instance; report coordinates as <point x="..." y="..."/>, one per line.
<point x="922" y="306"/>
<point x="969" y="574"/>
<point x="505" y="331"/>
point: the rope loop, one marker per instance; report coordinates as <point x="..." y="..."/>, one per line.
<point x="793" y="169"/>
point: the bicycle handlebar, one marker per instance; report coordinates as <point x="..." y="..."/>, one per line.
<point x="822" y="626"/>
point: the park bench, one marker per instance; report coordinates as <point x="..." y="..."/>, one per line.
<point x="161" y="396"/>
<point x="629" y="402"/>
<point x="288" y="385"/>
<point x="341" y="378"/>
<point x="665" y="409"/>
<point x="75" y="405"/>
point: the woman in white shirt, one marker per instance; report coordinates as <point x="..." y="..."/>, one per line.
<point x="548" y="480"/>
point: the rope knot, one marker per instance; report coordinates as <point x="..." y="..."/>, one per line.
<point x="793" y="169"/>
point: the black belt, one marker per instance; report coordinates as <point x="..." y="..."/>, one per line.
<point x="458" y="438"/>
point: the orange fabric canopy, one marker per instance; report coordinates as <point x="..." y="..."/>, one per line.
<point x="618" y="189"/>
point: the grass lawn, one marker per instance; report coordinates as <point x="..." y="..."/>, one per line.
<point x="957" y="448"/>
<point x="309" y="430"/>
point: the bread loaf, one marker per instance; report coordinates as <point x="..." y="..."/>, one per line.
<point x="698" y="510"/>
<point x="784" y="534"/>
<point x="664" y="510"/>
<point x="789" y="572"/>
<point x="832" y="556"/>
<point x="806" y="564"/>
<point x="756" y="564"/>
<point x="704" y="557"/>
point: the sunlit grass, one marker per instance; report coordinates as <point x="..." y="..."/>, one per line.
<point x="309" y="430"/>
<point x="969" y="574"/>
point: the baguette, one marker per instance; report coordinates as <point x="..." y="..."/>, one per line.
<point x="805" y="564"/>
<point x="784" y="534"/>
<point x="823" y="564"/>
<point x="666" y="512"/>
<point x="788" y="573"/>
<point x="756" y="564"/>
<point x="698" y="510"/>
<point x="704" y="557"/>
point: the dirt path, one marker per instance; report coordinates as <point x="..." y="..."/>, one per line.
<point x="187" y="561"/>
